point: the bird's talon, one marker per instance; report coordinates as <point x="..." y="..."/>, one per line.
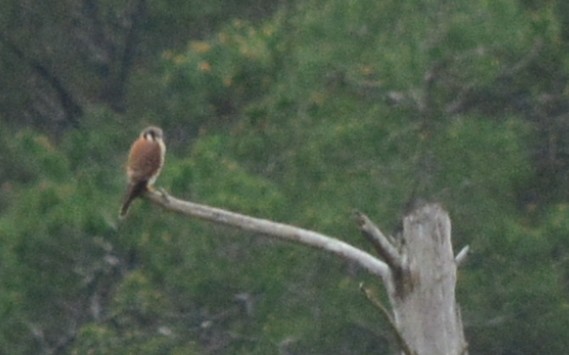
<point x="164" y="194"/>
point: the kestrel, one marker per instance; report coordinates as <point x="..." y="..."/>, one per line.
<point x="145" y="162"/>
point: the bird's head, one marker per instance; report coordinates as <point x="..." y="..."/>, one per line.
<point x="152" y="133"/>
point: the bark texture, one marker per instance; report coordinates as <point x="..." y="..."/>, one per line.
<point x="418" y="268"/>
<point x="423" y="294"/>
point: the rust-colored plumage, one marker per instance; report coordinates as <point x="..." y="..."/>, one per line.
<point x="145" y="162"/>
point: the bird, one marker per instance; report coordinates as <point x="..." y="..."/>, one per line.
<point x="145" y="161"/>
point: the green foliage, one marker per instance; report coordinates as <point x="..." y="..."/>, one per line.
<point x="483" y="162"/>
<point x="215" y="79"/>
<point x="297" y="115"/>
<point x="44" y="159"/>
<point x="223" y="182"/>
<point x="514" y="301"/>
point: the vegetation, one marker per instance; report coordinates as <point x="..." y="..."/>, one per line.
<point x="293" y="111"/>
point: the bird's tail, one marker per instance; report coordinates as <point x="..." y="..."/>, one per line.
<point x="134" y="190"/>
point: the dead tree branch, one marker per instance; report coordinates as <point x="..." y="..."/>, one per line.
<point x="461" y="257"/>
<point x="273" y="229"/>
<point x="382" y="245"/>
<point x="385" y="312"/>
<point x="419" y="275"/>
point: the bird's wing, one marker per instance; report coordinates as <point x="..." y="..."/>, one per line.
<point x="144" y="160"/>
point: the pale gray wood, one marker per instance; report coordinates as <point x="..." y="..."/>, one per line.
<point x="423" y="296"/>
<point x="275" y="230"/>
<point x="419" y="273"/>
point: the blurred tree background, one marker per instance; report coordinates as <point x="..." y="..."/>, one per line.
<point x="297" y="111"/>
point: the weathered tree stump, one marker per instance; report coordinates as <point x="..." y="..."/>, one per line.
<point x="418" y="268"/>
<point x="422" y="281"/>
<point x="423" y="294"/>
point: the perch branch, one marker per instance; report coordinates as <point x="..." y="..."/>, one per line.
<point x="377" y="303"/>
<point x="461" y="257"/>
<point x="272" y="229"/>
<point x="381" y="244"/>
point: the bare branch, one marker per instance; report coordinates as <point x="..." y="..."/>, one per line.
<point x="377" y="303"/>
<point x="273" y="229"/>
<point x="380" y="242"/>
<point x="461" y="257"/>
